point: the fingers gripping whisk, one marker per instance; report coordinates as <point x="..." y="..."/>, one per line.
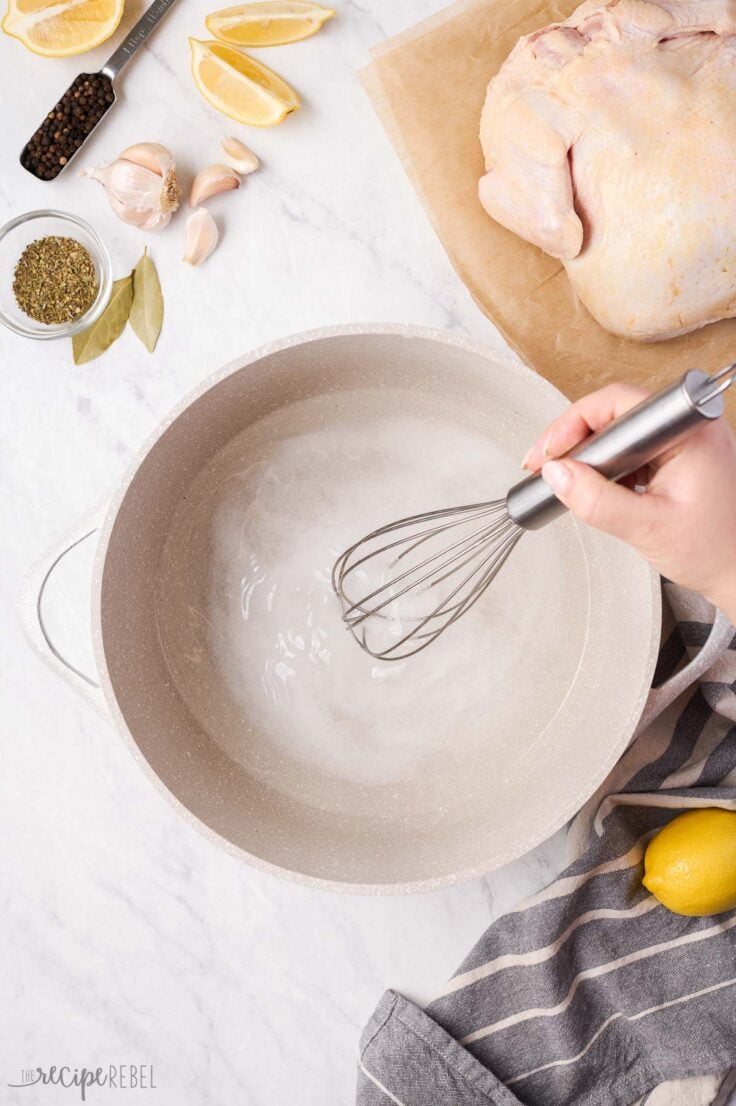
<point x="401" y="586"/>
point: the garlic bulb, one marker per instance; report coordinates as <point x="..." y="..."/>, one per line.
<point x="238" y="155"/>
<point x="208" y="182"/>
<point x="141" y="185"/>
<point x="201" y="236"/>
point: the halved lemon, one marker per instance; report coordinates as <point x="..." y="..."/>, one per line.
<point x="240" y="86"/>
<point x="270" y="23"/>
<point x="59" y="28"/>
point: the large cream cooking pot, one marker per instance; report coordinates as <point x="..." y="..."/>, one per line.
<point x="573" y="703"/>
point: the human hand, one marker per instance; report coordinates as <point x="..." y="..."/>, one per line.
<point x="684" y="524"/>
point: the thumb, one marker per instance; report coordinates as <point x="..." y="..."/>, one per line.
<point x="598" y="501"/>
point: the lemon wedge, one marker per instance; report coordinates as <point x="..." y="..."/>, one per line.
<point x="690" y="866"/>
<point x="270" y="23"/>
<point x="59" y="29"/>
<point x="240" y="86"/>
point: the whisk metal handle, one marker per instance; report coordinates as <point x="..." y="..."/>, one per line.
<point x="634" y="439"/>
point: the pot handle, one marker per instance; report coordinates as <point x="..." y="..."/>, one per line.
<point x="39" y="608"/>
<point x="31" y="605"/>
<point x="720" y="636"/>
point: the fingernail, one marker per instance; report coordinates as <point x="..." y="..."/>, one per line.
<point x="525" y="459"/>
<point x="557" y="476"/>
<point x="545" y="448"/>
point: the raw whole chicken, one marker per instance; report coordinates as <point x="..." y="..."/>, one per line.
<point x="610" y="142"/>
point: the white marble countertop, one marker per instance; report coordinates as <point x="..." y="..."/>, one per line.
<point x="127" y="937"/>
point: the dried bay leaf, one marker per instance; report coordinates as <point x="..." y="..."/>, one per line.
<point x="93" y="341"/>
<point x="147" y="312"/>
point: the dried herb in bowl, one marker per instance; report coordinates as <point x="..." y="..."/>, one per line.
<point x="55" y="280"/>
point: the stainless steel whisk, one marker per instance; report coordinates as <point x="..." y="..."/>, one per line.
<point x="403" y="585"/>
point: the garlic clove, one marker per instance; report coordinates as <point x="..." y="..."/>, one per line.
<point x="136" y="188"/>
<point x="151" y="155"/>
<point x="156" y="220"/>
<point x="133" y="218"/>
<point x="211" y="181"/>
<point x="146" y="220"/>
<point x="201" y="236"/>
<point x="238" y="155"/>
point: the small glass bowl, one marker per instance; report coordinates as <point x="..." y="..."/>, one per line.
<point x="19" y="233"/>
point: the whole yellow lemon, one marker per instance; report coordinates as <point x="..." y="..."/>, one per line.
<point x="690" y="866"/>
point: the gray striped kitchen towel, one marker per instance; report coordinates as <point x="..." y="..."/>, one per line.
<point x="590" y="993"/>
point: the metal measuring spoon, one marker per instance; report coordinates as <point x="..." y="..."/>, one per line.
<point x="60" y="137"/>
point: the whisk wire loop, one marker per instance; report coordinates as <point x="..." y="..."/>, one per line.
<point x="345" y="567"/>
<point x="401" y="560"/>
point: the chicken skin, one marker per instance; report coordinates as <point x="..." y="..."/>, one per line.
<point x="610" y="143"/>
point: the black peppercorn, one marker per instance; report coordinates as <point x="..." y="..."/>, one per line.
<point x="67" y="125"/>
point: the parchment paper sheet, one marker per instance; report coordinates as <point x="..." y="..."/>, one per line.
<point x="428" y="86"/>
